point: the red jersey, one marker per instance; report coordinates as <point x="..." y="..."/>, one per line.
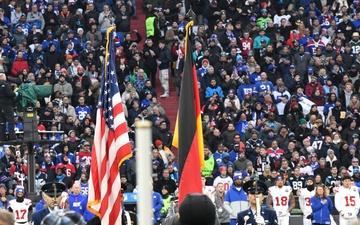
<point x="246" y="46"/>
<point x="275" y="152"/>
<point x="70" y="168"/>
<point x="19" y="172"/>
<point x="84" y="155"/>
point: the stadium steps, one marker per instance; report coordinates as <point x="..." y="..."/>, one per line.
<point x="171" y="103"/>
<point x="139" y="23"/>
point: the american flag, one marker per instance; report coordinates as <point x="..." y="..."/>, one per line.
<point x="111" y="144"/>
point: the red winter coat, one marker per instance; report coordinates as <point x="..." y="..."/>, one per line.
<point x="18" y="66"/>
<point x="310" y="87"/>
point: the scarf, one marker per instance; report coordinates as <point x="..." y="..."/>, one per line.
<point x="72" y="139"/>
<point x="60" y="177"/>
<point x="43" y="165"/>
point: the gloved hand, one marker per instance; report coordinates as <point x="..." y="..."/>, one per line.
<point x="259" y="220"/>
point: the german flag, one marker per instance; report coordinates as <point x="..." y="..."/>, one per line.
<point x="188" y="137"/>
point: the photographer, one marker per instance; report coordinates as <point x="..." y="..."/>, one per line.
<point x="6" y="111"/>
<point x="106" y="19"/>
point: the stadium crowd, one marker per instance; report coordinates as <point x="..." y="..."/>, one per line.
<point x="278" y="84"/>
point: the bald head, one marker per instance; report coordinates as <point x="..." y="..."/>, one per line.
<point x="2" y="76"/>
<point x="76" y="188"/>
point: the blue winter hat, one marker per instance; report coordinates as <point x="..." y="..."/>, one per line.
<point x="19" y="189"/>
<point x="279" y="178"/>
<point x="155" y="118"/>
<point x="239" y="57"/>
<point x="156" y="163"/>
<point x="271" y="67"/>
<point x="237" y="175"/>
<point x="310" y="69"/>
<point x="83" y="166"/>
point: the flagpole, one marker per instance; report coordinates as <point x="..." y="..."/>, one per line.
<point x="143" y="168"/>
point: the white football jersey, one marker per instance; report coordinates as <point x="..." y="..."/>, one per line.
<point x="227" y="181"/>
<point x="280" y="199"/>
<point x="347" y="200"/>
<point x="20" y="210"/>
<point x="304" y="200"/>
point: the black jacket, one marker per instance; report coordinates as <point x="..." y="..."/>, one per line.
<point x="48" y="16"/>
<point x="165" y="58"/>
<point x="162" y="182"/>
<point x="150" y="61"/>
<point x="52" y="58"/>
<point x="123" y="24"/>
<point x="6" y="94"/>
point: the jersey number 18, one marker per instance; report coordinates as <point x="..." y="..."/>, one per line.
<point x="281" y="201"/>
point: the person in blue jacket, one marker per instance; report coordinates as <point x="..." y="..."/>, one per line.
<point x="255" y="188"/>
<point x="40" y="205"/>
<point x="236" y="198"/>
<point x="49" y="40"/>
<point x="70" y="155"/>
<point x="321" y="206"/>
<point x="214" y="87"/>
<point x="77" y="201"/>
<point x="225" y="160"/>
<point x="157" y="206"/>
<point x="245" y="88"/>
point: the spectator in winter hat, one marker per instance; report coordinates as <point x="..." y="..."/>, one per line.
<point x="354" y="166"/>
<point x="156" y="170"/>
<point x="225" y="160"/>
<point x="331" y="159"/>
<point x="233" y="206"/>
